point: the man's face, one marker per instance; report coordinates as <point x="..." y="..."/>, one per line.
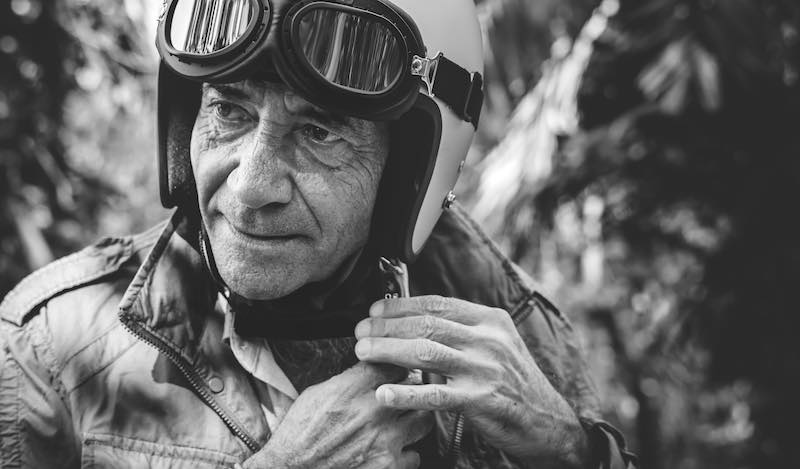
<point x="286" y="190"/>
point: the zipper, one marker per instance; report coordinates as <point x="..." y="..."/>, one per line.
<point x="192" y="376"/>
<point x="455" y="444"/>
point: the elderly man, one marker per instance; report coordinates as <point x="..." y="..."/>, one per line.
<point x="307" y="305"/>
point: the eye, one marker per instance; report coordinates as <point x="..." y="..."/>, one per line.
<point x="229" y="112"/>
<point x="319" y="134"/>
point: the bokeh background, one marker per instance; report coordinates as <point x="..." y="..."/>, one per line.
<point x="640" y="157"/>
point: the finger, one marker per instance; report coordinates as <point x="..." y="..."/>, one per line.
<point x="415" y="425"/>
<point x="424" y="397"/>
<point x="417" y="353"/>
<point x="408" y="460"/>
<point x="428" y="327"/>
<point x="372" y="375"/>
<point x="452" y="309"/>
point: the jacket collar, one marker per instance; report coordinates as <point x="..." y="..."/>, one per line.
<point x="172" y="293"/>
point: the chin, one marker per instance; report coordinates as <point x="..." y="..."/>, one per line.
<point x="260" y="293"/>
<point x="260" y="285"/>
<point x="257" y="275"/>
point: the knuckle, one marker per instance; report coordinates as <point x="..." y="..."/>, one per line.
<point x="437" y="397"/>
<point x="426" y="327"/>
<point x="377" y="327"/>
<point x="485" y="393"/>
<point x="426" y="351"/>
<point x="504" y="319"/>
<point x="496" y="341"/>
<point x="434" y="303"/>
<point x="500" y="315"/>
<point x="491" y="369"/>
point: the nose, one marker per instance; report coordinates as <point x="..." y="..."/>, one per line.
<point x="263" y="174"/>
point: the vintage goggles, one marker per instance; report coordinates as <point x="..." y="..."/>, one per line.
<point x="363" y="58"/>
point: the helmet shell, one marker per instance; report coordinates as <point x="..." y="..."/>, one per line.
<point x="450" y="27"/>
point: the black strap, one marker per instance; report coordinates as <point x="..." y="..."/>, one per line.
<point x="274" y="324"/>
<point x="459" y="89"/>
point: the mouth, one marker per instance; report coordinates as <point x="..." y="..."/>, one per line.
<point x="252" y="235"/>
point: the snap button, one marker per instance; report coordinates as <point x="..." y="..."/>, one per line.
<point x="215" y="384"/>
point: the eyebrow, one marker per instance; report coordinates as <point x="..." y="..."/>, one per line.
<point x="308" y="109"/>
<point x="230" y="91"/>
<point x="326" y="116"/>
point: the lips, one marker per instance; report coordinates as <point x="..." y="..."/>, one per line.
<point x="271" y="233"/>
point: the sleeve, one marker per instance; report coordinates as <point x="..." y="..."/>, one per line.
<point x="608" y="446"/>
<point x="553" y="343"/>
<point x="35" y="423"/>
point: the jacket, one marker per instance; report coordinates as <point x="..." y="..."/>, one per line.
<point x="112" y="357"/>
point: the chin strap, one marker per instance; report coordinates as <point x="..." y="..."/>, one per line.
<point x="211" y="265"/>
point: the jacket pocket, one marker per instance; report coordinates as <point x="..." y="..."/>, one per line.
<point x="117" y="452"/>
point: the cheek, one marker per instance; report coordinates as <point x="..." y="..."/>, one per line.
<point x="361" y="173"/>
<point x="211" y="157"/>
<point x="346" y="196"/>
<point x="359" y="181"/>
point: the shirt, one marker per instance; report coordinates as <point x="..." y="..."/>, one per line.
<point x="275" y="391"/>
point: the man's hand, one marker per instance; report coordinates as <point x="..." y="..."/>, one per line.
<point x="490" y="375"/>
<point x="339" y="424"/>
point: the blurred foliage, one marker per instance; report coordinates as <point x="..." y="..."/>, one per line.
<point x="75" y="83"/>
<point x="650" y="180"/>
<point x="518" y="38"/>
<point x="639" y="156"/>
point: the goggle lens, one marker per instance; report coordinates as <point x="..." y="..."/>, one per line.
<point x="207" y="26"/>
<point x="352" y="51"/>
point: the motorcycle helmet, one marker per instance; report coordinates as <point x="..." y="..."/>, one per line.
<point x="414" y="63"/>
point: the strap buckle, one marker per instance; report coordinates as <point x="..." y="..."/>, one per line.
<point x="426" y="69"/>
<point x="461" y="90"/>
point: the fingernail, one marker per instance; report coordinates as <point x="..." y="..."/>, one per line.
<point x="362" y="348"/>
<point x="385" y="395"/>
<point x="376" y="309"/>
<point x="363" y="329"/>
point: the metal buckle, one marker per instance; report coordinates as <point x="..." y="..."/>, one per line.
<point x="426" y="69"/>
<point x="398" y="272"/>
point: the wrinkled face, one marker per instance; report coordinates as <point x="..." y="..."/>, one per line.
<point x="286" y="190"/>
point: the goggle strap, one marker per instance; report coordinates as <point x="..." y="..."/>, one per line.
<point x="461" y="90"/>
